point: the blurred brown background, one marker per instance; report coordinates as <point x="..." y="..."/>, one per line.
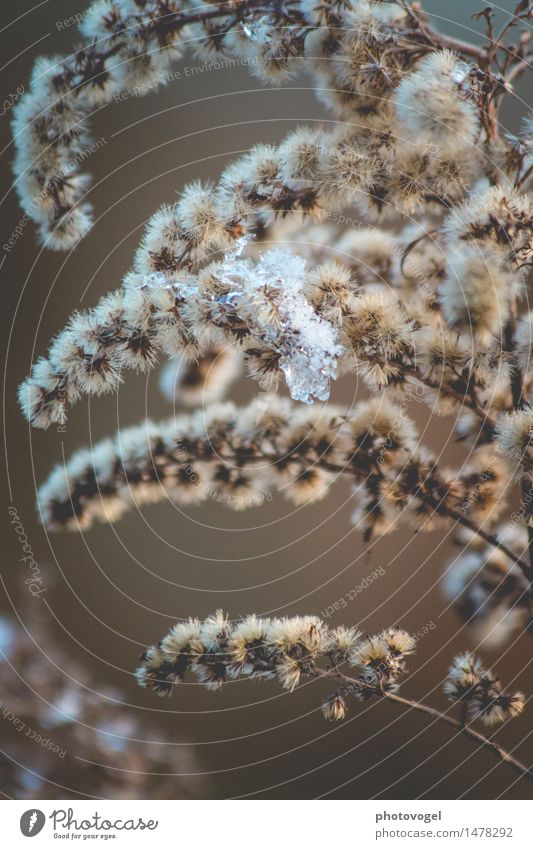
<point x="114" y="589"/>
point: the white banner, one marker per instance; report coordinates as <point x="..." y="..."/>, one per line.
<point x="234" y="824"/>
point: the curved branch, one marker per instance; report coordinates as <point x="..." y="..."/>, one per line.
<point x="462" y="727"/>
<point x="217" y="649"/>
<point x="485" y="742"/>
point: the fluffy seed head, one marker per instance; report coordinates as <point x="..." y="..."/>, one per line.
<point x="434" y="103"/>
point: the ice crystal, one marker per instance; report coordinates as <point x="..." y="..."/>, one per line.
<point x="270" y="294"/>
<point x="259" y="30"/>
<point x="156" y="280"/>
<point x="284" y="318"/>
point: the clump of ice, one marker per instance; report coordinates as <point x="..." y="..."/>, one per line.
<point x="259" y="30"/>
<point x="155" y="280"/>
<point x="307" y="344"/>
<point x="159" y="280"/>
<point x="271" y="291"/>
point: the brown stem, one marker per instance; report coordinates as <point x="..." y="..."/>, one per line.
<point x="459" y="46"/>
<point x="162" y="26"/>
<point x="516" y="376"/>
<point x="166" y="24"/>
<point x="485" y="742"/>
<point x="440" y="507"/>
<point x="517" y="391"/>
<point x="438" y="39"/>
<point x="526" y="498"/>
<point x="490" y="538"/>
<point x="519" y="68"/>
<point x="487" y="422"/>
<point x="524" y="178"/>
<point x="497" y="40"/>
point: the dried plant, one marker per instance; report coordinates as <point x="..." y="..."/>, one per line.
<point x="427" y="301"/>
<point x="380" y="62"/>
<point x="292" y="649"/>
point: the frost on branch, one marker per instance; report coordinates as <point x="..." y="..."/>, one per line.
<point x="268" y="296"/>
<point x="261" y="307"/>
<point x="285" y="321"/>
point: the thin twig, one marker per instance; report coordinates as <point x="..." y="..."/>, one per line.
<point x="489" y="538"/>
<point x="467" y="730"/>
<point x="524" y="178"/>
<point x="519" y="68"/>
<point x="440" y="507"/>
<point x="463" y="728"/>
<point x="437" y="39"/>
<point x="517" y="391"/>
<point x="487" y="422"/>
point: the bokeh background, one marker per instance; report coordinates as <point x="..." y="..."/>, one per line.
<point x="114" y="589"/>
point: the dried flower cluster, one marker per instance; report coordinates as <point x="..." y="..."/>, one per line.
<point x="289" y="649"/>
<point x="377" y="61"/>
<point x="481" y="691"/>
<point x="216" y="649"/>
<point x="272" y="445"/>
<point x="426" y="301"/>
